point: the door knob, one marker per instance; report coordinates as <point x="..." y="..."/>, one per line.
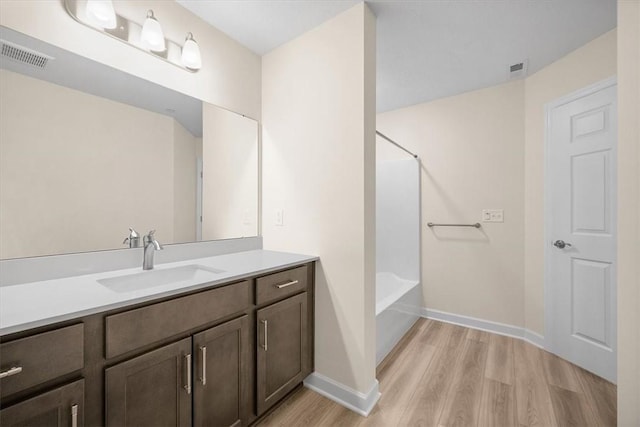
<point x="561" y="244"/>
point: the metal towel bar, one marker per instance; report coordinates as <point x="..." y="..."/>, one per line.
<point x="431" y="224"/>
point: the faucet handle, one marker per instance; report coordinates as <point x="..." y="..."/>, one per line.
<point x="150" y="238"/>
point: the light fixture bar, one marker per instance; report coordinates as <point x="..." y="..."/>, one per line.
<point x="124" y="28"/>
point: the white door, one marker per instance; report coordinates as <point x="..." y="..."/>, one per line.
<point x="580" y="223"/>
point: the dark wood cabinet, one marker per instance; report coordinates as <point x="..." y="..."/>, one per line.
<point x="221" y="391"/>
<point x="216" y="357"/>
<point x="282" y="349"/>
<point x="41" y="358"/>
<point x="61" y="407"/>
<point x="151" y="390"/>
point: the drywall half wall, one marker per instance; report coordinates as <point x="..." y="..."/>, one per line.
<point x="77" y="170"/>
<point x="628" y="213"/>
<point x="230" y="74"/>
<point x="472" y="155"/>
<point x="319" y="168"/>
<point x="589" y="64"/>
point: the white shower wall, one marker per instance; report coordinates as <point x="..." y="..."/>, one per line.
<point x="398" y="218"/>
<point x="398" y="290"/>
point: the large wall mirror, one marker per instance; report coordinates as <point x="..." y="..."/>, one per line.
<point x="87" y="151"/>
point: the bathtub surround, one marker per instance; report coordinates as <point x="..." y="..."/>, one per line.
<point x="398" y="217"/>
<point x="398" y="290"/>
<point x="319" y="157"/>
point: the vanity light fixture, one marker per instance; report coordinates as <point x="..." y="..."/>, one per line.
<point x="152" y="36"/>
<point x="191" y="53"/>
<point x="147" y="36"/>
<point x="102" y="12"/>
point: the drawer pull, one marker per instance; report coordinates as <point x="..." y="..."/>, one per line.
<point x="266" y="325"/>
<point x="203" y="352"/>
<point x="74" y="416"/>
<point x="188" y="385"/>
<point x="11" y="371"/>
<point x="284" y="285"/>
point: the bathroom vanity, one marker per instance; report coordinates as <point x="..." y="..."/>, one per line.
<point x="216" y="353"/>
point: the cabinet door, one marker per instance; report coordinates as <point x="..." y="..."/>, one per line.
<point x="62" y="407"/>
<point x="151" y="390"/>
<point x="282" y="349"/>
<point x="221" y="375"/>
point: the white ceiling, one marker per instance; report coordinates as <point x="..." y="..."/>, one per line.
<point x="428" y="49"/>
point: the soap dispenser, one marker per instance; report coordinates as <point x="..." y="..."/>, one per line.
<point x="133" y="240"/>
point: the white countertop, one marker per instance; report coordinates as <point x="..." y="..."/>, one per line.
<point x="30" y="305"/>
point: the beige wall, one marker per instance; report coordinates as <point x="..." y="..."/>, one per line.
<point x="589" y="64"/>
<point x="318" y="165"/>
<point x="472" y="156"/>
<point x="77" y="170"/>
<point x="230" y="74"/>
<point x="485" y="150"/>
<point x="230" y="174"/>
<point x="186" y="150"/>
<point x="628" y="213"/>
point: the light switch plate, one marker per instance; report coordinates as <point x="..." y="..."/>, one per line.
<point x="280" y="217"/>
<point x="493" y="215"/>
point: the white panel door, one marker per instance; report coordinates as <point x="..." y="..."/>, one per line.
<point x="581" y="229"/>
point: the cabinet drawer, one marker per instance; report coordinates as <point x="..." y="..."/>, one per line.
<point x="279" y="285"/>
<point x="133" y="329"/>
<point x="40" y="358"/>
<point x="61" y="407"/>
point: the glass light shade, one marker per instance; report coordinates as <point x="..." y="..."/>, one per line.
<point x="152" y="36"/>
<point x="191" y="54"/>
<point x="102" y="13"/>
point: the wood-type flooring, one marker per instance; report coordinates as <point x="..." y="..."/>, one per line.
<point x="446" y="375"/>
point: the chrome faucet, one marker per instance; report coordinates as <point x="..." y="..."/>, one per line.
<point x="133" y="240"/>
<point x="150" y="246"/>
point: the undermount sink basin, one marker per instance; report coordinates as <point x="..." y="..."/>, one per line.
<point x="160" y="277"/>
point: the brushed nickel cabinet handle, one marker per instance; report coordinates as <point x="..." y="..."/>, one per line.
<point x="284" y="285"/>
<point x="15" y="370"/>
<point x="188" y="385"/>
<point x="266" y="339"/>
<point x="74" y="415"/>
<point x="203" y="352"/>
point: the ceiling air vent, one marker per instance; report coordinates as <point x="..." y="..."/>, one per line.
<point x="24" y="55"/>
<point x="518" y="70"/>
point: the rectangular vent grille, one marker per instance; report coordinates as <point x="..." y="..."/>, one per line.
<point x="24" y="55"/>
<point x="518" y="70"/>
<point x="516" y="67"/>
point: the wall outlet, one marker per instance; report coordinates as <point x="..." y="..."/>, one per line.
<point x="493" y="215"/>
<point x="280" y="217"/>
<point x="246" y="218"/>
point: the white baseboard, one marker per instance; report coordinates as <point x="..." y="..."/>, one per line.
<point x="358" y="402"/>
<point x="485" y="325"/>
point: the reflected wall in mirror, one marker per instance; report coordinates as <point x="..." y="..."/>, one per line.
<point x="230" y="178"/>
<point x="87" y="151"/>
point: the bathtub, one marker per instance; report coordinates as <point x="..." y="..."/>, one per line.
<point x="398" y="303"/>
